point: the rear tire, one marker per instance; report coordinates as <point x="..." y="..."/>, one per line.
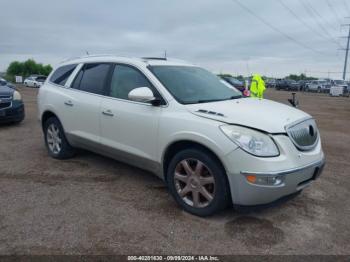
<point x="55" y="140"/>
<point x="198" y="182"/>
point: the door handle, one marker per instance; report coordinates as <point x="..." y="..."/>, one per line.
<point x="107" y="112"/>
<point x="68" y="103"/>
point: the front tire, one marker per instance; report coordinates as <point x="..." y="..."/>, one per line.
<point x="55" y="140"/>
<point x="198" y="182"/>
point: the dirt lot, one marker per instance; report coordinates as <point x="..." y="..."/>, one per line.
<point x="94" y="205"/>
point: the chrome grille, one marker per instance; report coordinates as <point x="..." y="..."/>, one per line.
<point x="304" y="134"/>
<point x="5" y="101"/>
<point x="5" y="105"/>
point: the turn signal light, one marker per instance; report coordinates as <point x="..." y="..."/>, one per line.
<point x="251" y="178"/>
<point x="265" y="180"/>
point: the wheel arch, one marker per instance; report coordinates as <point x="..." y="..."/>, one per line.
<point x="179" y="145"/>
<point x="46" y="115"/>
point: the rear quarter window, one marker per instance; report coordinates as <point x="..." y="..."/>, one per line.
<point x="61" y="75"/>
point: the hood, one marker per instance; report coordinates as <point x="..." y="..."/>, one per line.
<point x="6" y="91"/>
<point x="262" y="114"/>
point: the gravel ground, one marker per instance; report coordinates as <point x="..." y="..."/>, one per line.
<point x="94" y="205"/>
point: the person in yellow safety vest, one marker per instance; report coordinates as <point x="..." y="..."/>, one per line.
<point x="257" y="87"/>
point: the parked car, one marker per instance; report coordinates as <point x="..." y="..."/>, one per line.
<point x="235" y="83"/>
<point x="3" y="82"/>
<point x="287" y="84"/>
<point x="303" y="84"/>
<point x="211" y="146"/>
<point x="339" y="82"/>
<point x="11" y="105"/>
<point x="34" y="81"/>
<point x="339" y="88"/>
<point x="320" y="86"/>
<point x="271" y="83"/>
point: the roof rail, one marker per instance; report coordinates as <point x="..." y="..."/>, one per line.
<point x="87" y="56"/>
<point x="174" y="60"/>
<point x="154" y="58"/>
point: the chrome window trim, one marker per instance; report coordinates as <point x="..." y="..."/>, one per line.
<point x="80" y="65"/>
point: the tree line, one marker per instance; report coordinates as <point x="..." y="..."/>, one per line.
<point x="27" y="68"/>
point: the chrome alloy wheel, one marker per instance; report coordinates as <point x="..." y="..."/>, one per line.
<point x="53" y="138"/>
<point x="194" y="183"/>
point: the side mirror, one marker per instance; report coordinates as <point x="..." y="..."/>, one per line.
<point x="144" y="95"/>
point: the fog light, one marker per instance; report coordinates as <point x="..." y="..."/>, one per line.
<point x="265" y="180"/>
<point x="275" y="180"/>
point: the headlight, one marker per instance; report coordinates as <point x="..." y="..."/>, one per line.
<point x="17" y="96"/>
<point x="253" y="142"/>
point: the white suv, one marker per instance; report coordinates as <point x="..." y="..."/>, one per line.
<point x="34" y="81"/>
<point x="320" y="86"/>
<point x="211" y="146"/>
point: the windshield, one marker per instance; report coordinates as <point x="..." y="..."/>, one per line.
<point x="191" y="85"/>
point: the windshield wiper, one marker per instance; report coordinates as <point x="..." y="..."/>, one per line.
<point x="208" y="100"/>
<point x="214" y="100"/>
<point x="234" y="97"/>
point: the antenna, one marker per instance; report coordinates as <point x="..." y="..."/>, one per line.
<point x="165" y="54"/>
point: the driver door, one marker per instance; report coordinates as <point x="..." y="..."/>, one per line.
<point x="129" y="129"/>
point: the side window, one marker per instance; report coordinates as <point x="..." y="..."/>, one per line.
<point x="76" y="81"/>
<point x="61" y="75"/>
<point x="92" y="78"/>
<point x="125" y="79"/>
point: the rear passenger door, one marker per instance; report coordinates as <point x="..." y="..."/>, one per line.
<point x="82" y="105"/>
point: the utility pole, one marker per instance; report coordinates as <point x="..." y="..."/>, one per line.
<point x="346" y="55"/>
<point x="346" y="51"/>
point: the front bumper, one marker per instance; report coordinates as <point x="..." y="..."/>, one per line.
<point x="14" y="113"/>
<point x="298" y="170"/>
<point x="294" y="180"/>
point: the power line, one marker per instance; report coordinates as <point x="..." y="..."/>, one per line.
<point x="333" y="11"/>
<point x="312" y="11"/>
<point x="322" y="18"/>
<point x="275" y="28"/>
<point x="305" y="24"/>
